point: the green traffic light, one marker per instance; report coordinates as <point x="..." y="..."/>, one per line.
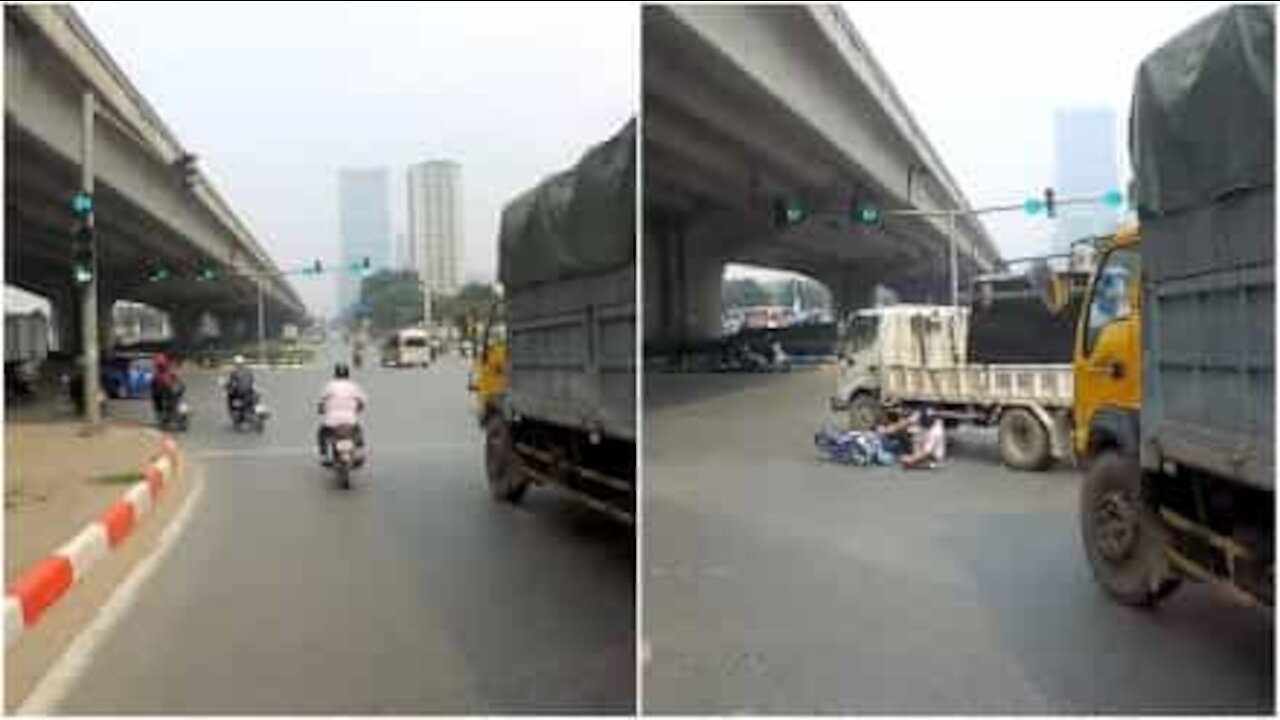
<point x="82" y="204"/>
<point x="1114" y="199"/>
<point x="787" y="211"/>
<point x="1033" y="206"/>
<point x="867" y="214"/>
<point x="82" y="274"/>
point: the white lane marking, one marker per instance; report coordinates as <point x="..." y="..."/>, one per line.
<point x="139" y="496"/>
<point x="646" y="652"/>
<point x="13" y="623"/>
<point x="52" y="689"/>
<point x="85" y="549"/>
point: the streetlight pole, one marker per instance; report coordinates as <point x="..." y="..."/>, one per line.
<point x="89" y="300"/>
<point x="955" y="260"/>
<point x="262" y="323"/>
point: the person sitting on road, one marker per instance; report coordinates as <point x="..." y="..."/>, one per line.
<point x="930" y="441"/>
<point x="895" y="433"/>
<point x="341" y="404"/>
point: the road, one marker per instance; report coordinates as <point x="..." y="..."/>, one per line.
<point x="411" y="593"/>
<point x="777" y="582"/>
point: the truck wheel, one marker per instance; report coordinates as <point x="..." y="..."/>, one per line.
<point x="1123" y="537"/>
<point x="502" y="465"/>
<point x="865" y="412"/>
<point x="1024" y="440"/>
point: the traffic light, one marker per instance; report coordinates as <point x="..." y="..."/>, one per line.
<point x="159" y="274"/>
<point x="865" y="213"/>
<point x="1049" y="208"/>
<point x="82" y="204"/>
<point x="205" y="274"/>
<point x="82" y="256"/>
<point x="1113" y="199"/>
<point x="317" y="267"/>
<point x="787" y="212"/>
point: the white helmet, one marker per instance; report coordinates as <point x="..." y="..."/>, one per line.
<point x="238" y="360"/>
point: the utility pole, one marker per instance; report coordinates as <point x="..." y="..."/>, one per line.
<point x="89" y="298"/>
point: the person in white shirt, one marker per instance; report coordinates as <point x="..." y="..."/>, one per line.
<point x="930" y="441"/>
<point x="341" y="404"/>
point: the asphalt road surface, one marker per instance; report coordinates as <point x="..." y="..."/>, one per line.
<point x="411" y="593"/>
<point x="778" y="582"/>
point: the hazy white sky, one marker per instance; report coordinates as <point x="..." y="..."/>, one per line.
<point x="276" y="97"/>
<point x="983" y="80"/>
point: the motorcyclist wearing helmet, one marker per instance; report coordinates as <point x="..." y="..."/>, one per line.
<point x="341" y="404"/>
<point x="240" y="383"/>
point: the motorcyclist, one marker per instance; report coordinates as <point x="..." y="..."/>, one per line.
<point x="341" y="404"/>
<point x="240" y="384"/>
<point x="166" y="387"/>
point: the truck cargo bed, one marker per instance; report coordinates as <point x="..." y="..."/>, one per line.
<point x="572" y="353"/>
<point x="1050" y="386"/>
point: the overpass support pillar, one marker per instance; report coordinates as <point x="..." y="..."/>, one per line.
<point x="185" y="326"/>
<point x="850" y="290"/>
<point x="682" y="288"/>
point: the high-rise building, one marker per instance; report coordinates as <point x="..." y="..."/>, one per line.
<point x="365" y="227"/>
<point x="435" y="223"/>
<point x="1085" y="156"/>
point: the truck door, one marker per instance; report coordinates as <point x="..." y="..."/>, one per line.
<point x="1108" y="358"/>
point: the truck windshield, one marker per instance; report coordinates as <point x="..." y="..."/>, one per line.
<point x="1111" y="291"/>
<point x="860" y="333"/>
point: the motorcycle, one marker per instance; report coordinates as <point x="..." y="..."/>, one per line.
<point x="344" y="454"/>
<point x="248" y="410"/>
<point x="175" y="414"/>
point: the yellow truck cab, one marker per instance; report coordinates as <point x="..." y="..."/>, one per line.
<point x="489" y="367"/>
<point x="1107" y="366"/>
<point x="1174" y="361"/>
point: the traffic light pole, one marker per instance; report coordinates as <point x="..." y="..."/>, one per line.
<point x="89" y="298"/>
<point x="951" y="215"/>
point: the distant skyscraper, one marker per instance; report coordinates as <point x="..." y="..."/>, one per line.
<point x="364" y="225"/>
<point x="435" y="223"/>
<point x="1085" y="142"/>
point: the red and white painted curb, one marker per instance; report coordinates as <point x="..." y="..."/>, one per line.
<point x="41" y="586"/>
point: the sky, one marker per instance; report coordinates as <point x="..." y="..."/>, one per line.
<point x="274" y="98"/>
<point x="984" y="80"/>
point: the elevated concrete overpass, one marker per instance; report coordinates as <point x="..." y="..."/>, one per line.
<point x="150" y="212"/>
<point x="745" y="106"/>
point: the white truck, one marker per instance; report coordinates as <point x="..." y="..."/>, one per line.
<point x="913" y="356"/>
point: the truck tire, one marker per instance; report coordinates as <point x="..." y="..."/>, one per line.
<point x="502" y="464"/>
<point x="865" y="412"/>
<point x="1024" y="440"/>
<point x="1123" y="537"/>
